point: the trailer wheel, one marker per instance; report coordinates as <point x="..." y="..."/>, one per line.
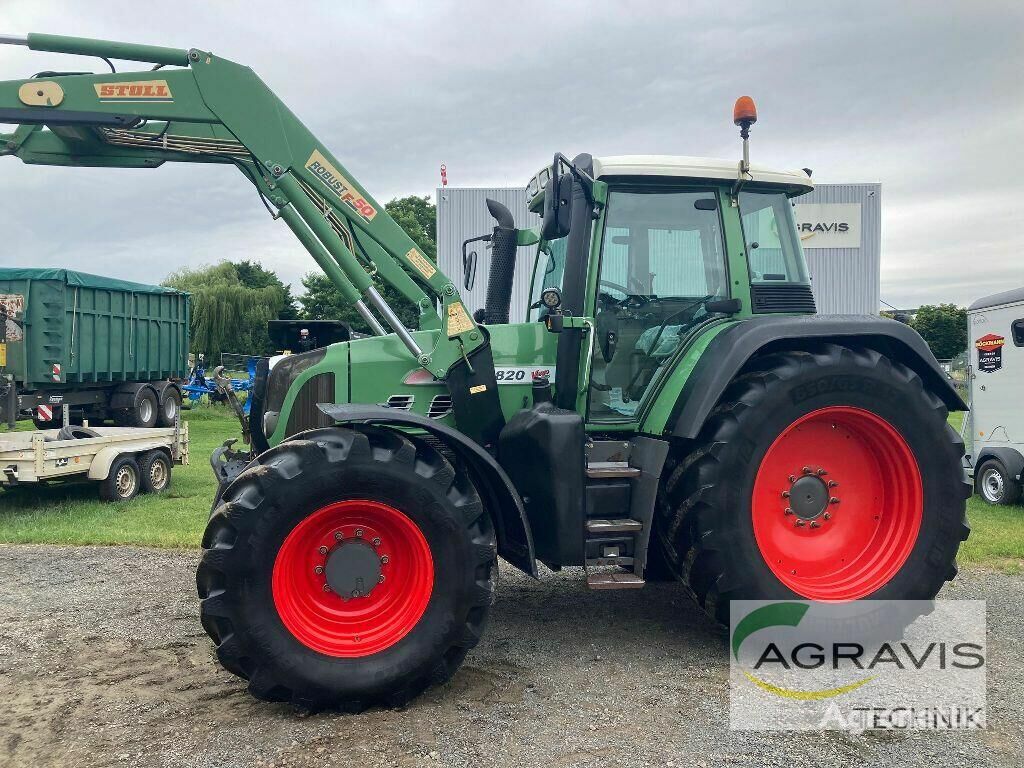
<point x="995" y="484"/>
<point x="826" y="475"/>
<point x="348" y="568"/>
<point x="155" y="471"/>
<point x="169" y="407"/>
<point x="123" y="481"/>
<point x="142" y="412"/>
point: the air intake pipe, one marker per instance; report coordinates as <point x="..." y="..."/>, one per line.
<point x="503" y="264"/>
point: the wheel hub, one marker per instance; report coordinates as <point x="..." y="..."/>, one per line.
<point x="353" y="569"/>
<point x="808" y="497"/>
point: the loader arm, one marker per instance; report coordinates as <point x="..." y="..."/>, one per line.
<point x="196" y="107"/>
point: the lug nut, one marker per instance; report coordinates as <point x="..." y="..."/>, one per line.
<point x="322" y="550"/>
<point x="806" y="470"/>
<point x="338" y="535"/>
<point x="376" y="541"/>
<point x="833" y="500"/>
<point x="381" y="579"/>
<point x="822" y="472"/>
<point x="359" y="532"/>
<point x="833" y="484"/>
<point x="792" y="478"/>
<point x="815" y="524"/>
<point x="787" y="511"/>
<point x="327" y="587"/>
<point x="384" y="559"/>
<point x="318" y="570"/>
<point x="785" y="494"/>
<point x="799" y="523"/>
<point x="827" y="516"/>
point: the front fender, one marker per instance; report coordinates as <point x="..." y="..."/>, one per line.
<point x="515" y="539"/>
<point x="729" y="351"/>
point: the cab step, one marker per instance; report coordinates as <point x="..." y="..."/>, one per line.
<point x="621" y="580"/>
<point x="619" y="525"/>
<point x="605" y="470"/>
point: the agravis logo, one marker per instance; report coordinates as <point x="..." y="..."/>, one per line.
<point x="781" y="615"/>
<point x="796" y="664"/>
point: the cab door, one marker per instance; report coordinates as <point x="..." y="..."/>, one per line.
<point x="662" y="259"/>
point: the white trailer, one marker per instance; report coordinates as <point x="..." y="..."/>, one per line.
<point x="123" y="460"/>
<point x="997" y="395"/>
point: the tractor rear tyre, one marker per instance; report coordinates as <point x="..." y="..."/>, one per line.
<point x="347" y="568"/>
<point x="828" y="474"/>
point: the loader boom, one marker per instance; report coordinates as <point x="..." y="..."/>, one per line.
<point x="196" y="107"/>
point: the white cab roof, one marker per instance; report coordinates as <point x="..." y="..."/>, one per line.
<point x="695" y="167"/>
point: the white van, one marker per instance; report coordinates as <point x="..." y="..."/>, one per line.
<point x="997" y="395"/>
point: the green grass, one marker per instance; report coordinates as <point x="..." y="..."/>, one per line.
<point x="73" y="514"/>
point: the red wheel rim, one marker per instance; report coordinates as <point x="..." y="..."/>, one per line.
<point x="869" y="519"/>
<point x="357" y="624"/>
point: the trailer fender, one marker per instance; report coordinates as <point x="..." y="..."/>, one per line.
<point x="162" y="388"/>
<point x="1010" y="458"/>
<point x="126" y="396"/>
<point x="730" y="350"/>
<point x="502" y="501"/>
<point x="102" y="461"/>
<point x="105" y="457"/>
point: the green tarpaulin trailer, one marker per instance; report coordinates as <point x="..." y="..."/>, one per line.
<point x="104" y="348"/>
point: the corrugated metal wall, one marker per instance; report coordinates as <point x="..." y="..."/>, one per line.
<point x="461" y="214"/>
<point x="844" y="280"/>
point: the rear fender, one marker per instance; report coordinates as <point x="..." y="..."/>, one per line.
<point x="1010" y="458"/>
<point x="730" y="350"/>
<point x="502" y="501"/>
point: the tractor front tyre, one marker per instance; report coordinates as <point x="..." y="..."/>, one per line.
<point x="827" y="475"/>
<point x="347" y="568"/>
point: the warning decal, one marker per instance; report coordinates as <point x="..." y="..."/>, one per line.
<point x="990" y="352"/>
<point x="458" y="320"/>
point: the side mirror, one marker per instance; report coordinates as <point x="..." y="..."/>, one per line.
<point x="469" y="270"/>
<point x="557" y="207"/>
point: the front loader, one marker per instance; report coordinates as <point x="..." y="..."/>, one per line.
<point x="672" y="408"/>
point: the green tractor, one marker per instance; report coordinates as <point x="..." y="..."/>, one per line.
<point x="673" y="408"/>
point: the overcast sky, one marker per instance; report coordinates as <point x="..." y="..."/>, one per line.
<point x="926" y="98"/>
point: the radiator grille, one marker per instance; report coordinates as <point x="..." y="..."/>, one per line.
<point x="304" y="414"/>
<point x="440" y="406"/>
<point x="781" y="298"/>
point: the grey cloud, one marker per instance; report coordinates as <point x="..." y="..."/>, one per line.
<point x="924" y="98"/>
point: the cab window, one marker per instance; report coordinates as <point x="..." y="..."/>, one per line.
<point x="662" y="260"/>
<point x="773" y="248"/>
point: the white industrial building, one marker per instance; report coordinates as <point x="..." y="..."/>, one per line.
<point x="840" y="226"/>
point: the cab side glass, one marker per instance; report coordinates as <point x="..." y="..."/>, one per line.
<point x="773" y="247"/>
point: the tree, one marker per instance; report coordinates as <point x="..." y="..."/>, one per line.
<point x="321" y="299"/>
<point x="944" y="328"/>
<point x="254" y="275"/>
<point x="418" y="217"/>
<point x="227" y="315"/>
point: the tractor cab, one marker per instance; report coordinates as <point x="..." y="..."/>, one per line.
<point x="670" y="245"/>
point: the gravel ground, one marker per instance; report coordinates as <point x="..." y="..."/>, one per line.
<point x="103" y="662"/>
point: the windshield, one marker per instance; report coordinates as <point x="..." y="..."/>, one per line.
<point x="547" y="272"/>
<point x="773" y="249"/>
